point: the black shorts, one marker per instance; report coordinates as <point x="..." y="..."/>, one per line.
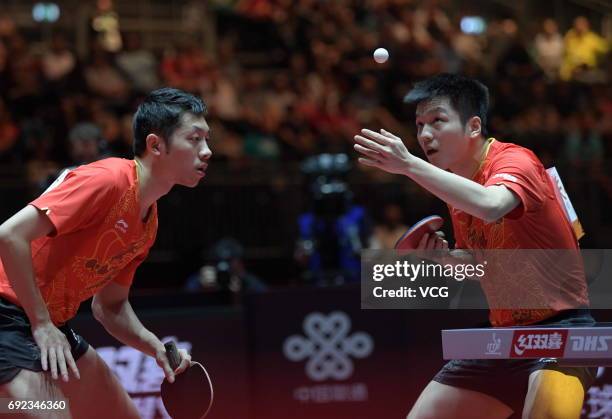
<point x="18" y="350"/>
<point x="507" y="379"/>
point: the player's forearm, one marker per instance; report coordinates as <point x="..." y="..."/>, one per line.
<point x="457" y="191"/>
<point x="122" y="323"/>
<point x="16" y="256"/>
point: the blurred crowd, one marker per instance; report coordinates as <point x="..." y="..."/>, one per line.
<point x="292" y="78"/>
<point x="286" y="80"/>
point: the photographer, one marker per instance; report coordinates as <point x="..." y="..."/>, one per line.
<point x="333" y="233"/>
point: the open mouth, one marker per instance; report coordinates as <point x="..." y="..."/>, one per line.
<point x="201" y="171"/>
<point x="431" y="152"/>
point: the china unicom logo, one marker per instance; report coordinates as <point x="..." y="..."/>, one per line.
<point x="328" y="346"/>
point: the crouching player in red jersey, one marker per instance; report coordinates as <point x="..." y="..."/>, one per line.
<point x="85" y="236"/>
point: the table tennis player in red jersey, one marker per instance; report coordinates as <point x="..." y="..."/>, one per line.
<point x="85" y="236"/>
<point x="499" y="197"/>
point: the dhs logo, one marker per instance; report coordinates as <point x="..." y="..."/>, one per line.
<point x="538" y="343"/>
<point x="328" y="346"/>
<point x="590" y="343"/>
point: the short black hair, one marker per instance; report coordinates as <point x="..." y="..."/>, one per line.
<point x="468" y="96"/>
<point x="160" y="114"/>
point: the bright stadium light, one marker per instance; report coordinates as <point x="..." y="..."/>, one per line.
<point x="45" y="12"/>
<point x="39" y="12"/>
<point x="473" y="25"/>
<point x="53" y="12"/>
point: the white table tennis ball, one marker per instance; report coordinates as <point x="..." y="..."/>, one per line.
<point x="381" y="55"/>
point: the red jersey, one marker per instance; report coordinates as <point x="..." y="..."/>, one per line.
<point x="99" y="236"/>
<point x="538" y="222"/>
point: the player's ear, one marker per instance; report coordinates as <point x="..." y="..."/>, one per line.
<point x="154" y="144"/>
<point x="474" y="127"/>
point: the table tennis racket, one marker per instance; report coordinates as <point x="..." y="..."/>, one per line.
<point x="191" y="394"/>
<point x="411" y="238"/>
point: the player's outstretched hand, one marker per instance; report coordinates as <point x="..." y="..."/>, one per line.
<point x="383" y="150"/>
<point x="55" y="352"/>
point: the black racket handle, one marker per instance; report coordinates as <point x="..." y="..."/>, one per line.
<point x="172" y="354"/>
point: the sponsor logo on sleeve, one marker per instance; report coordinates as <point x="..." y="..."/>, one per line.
<point x="505" y="176"/>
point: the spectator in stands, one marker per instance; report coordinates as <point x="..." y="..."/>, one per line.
<point x="104" y="80"/>
<point x="390" y="228"/>
<point x="583" y="49"/>
<point x="110" y="123"/>
<point x="24" y="77"/>
<point x="429" y="20"/>
<point x="7" y="26"/>
<point x="38" y="140"/>
<point x="138" y="64"/>
<point x="185" y="67"/>
<point x="225" y="270"/>
<point x="106" y="25"/>
<point x="58" y="61"/>
<point x="224" y="99"/>
<point x="514" y="62"/>
<point x="583" y="146"/>
<point x="86" y="143"/>
<point x="549" y="49"/>
<point x="468" y="46"/>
